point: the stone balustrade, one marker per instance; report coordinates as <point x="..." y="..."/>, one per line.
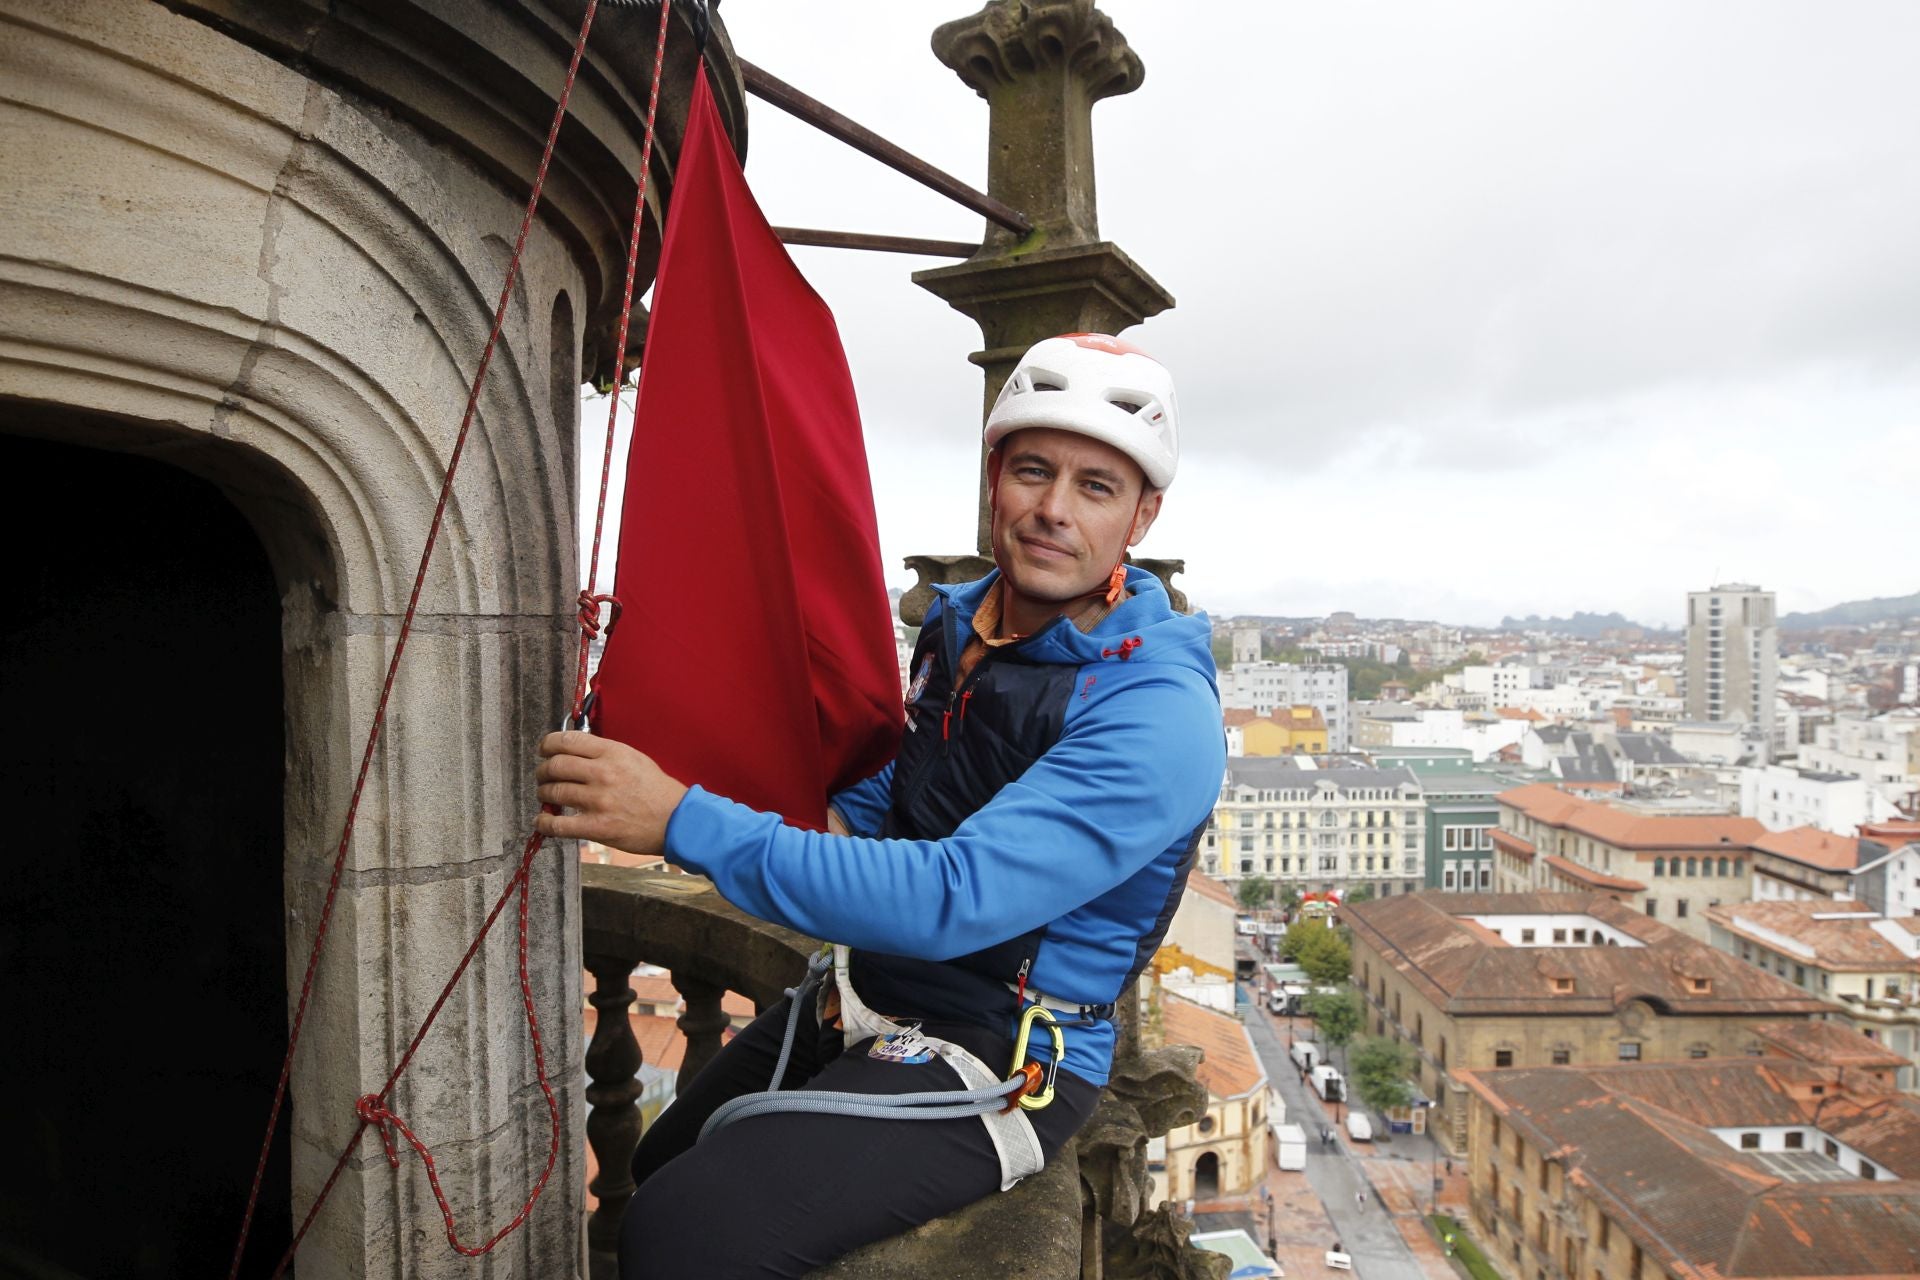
<point x="1083" y="1218"/>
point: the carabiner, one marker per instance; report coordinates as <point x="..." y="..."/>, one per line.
<point x="1033" y="1099"/>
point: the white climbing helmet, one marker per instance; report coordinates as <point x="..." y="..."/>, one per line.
<point x="1095" y="385"/>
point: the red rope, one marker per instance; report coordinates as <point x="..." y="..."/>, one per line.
<point x="372" y="1109"/>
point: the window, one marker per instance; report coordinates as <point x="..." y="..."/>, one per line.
<point x="1526" y="936"/>
<point x="1867" y="1172"/>
<point x="1503" y="1057"/>
<point x="1749" y="1142"/>
<point x="1680" y="908"/>
<point x="1563" y="986"/>
<point x="1562" y="1057"/>
<point x="1697" y="1051"/>
<point x="1580" y="936"/>
<point x="1606" y="1233"/>
<point x="1653" y="908"/>
<point x="1493" y="1184"/>
<point x="1629" y="1051"/>
<point x="1699" y="986"/>
<point x="1832" y="1149"/>
<point x="1796" y="1141"/>
<point x="1559" y="937"/>
<point x="1659" y="866"/>
<point x="1723" y="867"/>
<point x="1693" y="866"/>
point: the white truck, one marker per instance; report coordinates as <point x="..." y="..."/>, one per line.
<point x="1328" y="1083"/>
<point x="1290" y="1146"/>
<point x="1305" y="1054"/>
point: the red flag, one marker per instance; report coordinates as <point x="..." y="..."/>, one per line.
<point x="754" y="653"/>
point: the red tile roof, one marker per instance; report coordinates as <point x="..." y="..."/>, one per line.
<point x="1513" y="844"/>
<point x="1207" y="887"/>
<point x="1624" y="830"/>
<point x="1828" y="1044"/>
<point x="1237" y="716"/>
<point x="1231" y="1068"/>
<point x="1586" y="876"/>
<point x="1637" y="1139"/>
<point x="1845" y="941"/>
<point x="1812" y="847"/>
<point x="1426" y="938"/>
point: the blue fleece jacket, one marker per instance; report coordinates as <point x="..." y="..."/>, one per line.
<point x="1087" y="841"/>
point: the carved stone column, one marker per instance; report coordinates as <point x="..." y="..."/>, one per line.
<point x="1041" y="65"/>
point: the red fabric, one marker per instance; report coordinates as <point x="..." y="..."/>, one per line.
<point x="754" y="654"/>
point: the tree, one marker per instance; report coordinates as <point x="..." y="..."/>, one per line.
<point x="1360" y="893"/>
<point x="1383" y="1073"/>
<point x="1289" y="900"/>
<point x="1255" y="892"/>
<point x="1321" y="951"/>
<point x="1337" y="1016"/>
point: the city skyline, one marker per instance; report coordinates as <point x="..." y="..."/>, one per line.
<point x="1521" y="311"/>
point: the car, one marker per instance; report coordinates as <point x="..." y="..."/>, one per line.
<point x="1359" y="1127"/>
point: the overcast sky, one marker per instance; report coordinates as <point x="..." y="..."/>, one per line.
<point x="1483" y="308"/>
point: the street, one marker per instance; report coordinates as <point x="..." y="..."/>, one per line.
<point x="1386" y="1238"/>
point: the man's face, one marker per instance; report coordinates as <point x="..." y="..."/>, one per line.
<point x="1064" y="510"/>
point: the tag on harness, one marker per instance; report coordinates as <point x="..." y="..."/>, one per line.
<point x="905" y="1048"/>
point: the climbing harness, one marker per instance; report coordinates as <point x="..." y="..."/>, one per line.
<point x="1000" y="1103"/>
<point x="373" y="1110"/>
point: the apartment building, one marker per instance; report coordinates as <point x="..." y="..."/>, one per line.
<point x="1733" y="655"/>
<point x="1317" y="828"/>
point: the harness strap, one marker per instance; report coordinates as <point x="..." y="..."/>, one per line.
<point x="1011" y="1132"/>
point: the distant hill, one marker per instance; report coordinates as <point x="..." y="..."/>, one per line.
<point x="1855" y="613"/>
<point x="1587" y="625"/>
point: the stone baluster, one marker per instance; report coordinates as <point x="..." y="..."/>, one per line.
<point x="702" y="1022"/>
<point x="613" y="1115"/>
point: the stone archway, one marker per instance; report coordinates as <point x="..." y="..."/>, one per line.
<point x="144" y="969"/>
<point x="1206" y="1176"/>
<point x="255" y="242"/>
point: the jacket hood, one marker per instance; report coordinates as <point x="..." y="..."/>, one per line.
<point x="1141" y="628"/>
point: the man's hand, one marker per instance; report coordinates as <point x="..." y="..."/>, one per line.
<point x="617" y="795"/>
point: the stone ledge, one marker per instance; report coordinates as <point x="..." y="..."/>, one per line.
<point x="1032" y="1232"/>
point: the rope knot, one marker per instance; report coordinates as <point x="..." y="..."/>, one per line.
<point x="590" y="612"/>
<point x="1125" y="651"/>
<point x="373" y="1112"/>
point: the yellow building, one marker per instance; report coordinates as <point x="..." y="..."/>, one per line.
<point x="1288" y="731"/>
<point x="1223" y="1154"/>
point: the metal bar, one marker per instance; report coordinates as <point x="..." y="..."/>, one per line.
<point x="879" y="244"/>
<point x="824" y="118"/>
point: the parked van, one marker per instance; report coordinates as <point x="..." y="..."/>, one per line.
<point x="1359" y="1128"/>
<point x="1305" y="1054"/>
<point x="1328" y="1084"/>
<point x="1290" y="1146"/>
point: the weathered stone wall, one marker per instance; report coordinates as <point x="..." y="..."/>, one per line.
<point x="215" y="257"/>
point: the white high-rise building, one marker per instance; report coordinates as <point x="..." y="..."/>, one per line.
<point x="1733" y="655"/>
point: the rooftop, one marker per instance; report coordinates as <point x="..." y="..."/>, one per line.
<point x="1284" y="772"/>
<point x="1465" y="970"/>
<point x="1640" y="1141"/>
<point x="1230" y="1069"/>
<point x="1622" y="829"/>
<point x="1812" y="847"/>
<point x="1830" y="1043"/>
<point x="1832" y="935"/>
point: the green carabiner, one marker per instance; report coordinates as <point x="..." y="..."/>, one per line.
<point x="1032" y="1099"/>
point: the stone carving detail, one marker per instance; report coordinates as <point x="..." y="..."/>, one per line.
<point x="1158" y="1248"/>
<point x="1012" y="38"/>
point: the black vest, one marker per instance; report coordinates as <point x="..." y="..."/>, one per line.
<point x="961" y="746"/>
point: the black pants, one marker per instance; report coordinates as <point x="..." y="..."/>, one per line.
<point x="779" y="1195"/>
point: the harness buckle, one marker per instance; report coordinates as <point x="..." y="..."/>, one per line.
<point x="1038" y="1089"/>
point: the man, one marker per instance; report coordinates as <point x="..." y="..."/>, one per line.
<point x="1061" y="753"/>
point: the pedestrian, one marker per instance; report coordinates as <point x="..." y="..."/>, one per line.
<point x="1059" y="761"/>
<point x="1360" y="1201"/>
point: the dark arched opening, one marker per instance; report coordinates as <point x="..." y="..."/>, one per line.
<point x="1206" y="1177"/>
<point x="142" y="969"/>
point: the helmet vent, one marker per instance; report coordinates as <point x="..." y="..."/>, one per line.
<point x="1128" y="405"/>
<point x="1038" y="385"/>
